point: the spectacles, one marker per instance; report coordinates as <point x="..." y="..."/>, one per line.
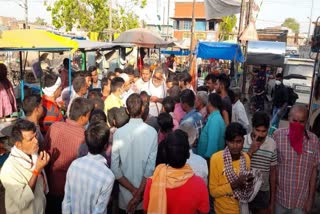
<point x="157" y="78"/>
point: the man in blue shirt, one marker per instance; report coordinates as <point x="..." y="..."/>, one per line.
<point x="134" y="152"/>
<point x="187" y="100"/>
<point x="212" y="135"/>
<point x="89" y="181"/>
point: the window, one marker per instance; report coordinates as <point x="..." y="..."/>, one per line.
<point x="176" y="24"/>
<point x="186" y="25"/>
<point x="212" y="25"/>
<point x="200" y="26"/>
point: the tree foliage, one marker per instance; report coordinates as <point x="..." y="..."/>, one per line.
<point x="292" y="24"/>
<point x="40" y="21"/>
<point x="226" y="27"/>
<point x="93" y="15"/>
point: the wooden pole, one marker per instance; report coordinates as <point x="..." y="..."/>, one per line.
<point x="246" y="14"/>
<point x="167" y="37"/>
<point x="192" y="33"/>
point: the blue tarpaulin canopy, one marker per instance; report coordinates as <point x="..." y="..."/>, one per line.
<point x="176" y="52"/>
<point x="219" y="50"/>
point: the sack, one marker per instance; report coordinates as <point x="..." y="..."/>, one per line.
<point x="292" y="96"/>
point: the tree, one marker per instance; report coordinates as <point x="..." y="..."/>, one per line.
<point x="93" y="15"/>
<point x="226" y="27"/>
<point x="292" y="24"/>
<point x="40" y="21"/>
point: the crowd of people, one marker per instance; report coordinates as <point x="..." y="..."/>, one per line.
<point x="150" y="143"/>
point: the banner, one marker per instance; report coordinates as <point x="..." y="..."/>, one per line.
<point x="215" y="9"/>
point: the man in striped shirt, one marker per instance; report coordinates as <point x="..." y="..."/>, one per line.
<point x="262" y="151"/>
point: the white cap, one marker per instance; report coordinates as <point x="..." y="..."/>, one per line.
<point x="125" y="77"/>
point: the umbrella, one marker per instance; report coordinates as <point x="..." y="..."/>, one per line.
<point x="141" y="37"/>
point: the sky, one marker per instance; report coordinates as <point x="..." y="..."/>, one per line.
<point x="272" y="12"/>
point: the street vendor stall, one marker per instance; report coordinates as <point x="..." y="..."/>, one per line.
<point x="85" y="46"/>
<point x="218" y="50"/>
<point x="34" y="40"/>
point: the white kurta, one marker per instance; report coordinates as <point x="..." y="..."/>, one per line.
<point x="19" y="197"/>
<point x="160" y="92"/>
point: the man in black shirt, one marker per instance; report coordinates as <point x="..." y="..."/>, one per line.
<point x="222" y="88"/>
<point x="280" y="101"/>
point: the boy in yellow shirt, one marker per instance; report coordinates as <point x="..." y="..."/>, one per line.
<point x="230" y="179"/>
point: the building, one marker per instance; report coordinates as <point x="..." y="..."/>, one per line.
<point x="8" y="23"/>
<point x="165" y="31"/>
<point x="182" y="20"/>
<point x="282" y="34"/>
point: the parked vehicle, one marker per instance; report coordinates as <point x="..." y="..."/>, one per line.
<point x="297" y="74"/>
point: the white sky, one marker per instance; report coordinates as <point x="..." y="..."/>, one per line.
<point x="273" y="12"/>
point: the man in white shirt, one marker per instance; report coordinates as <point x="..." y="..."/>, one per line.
<point x="79" y="89"/>
<point x="198" y="164"/>
<point x="21" y="174"/>
<point x="127" y="87"/>
<point x="239" y="114"/>
<point x="145" y="75"/>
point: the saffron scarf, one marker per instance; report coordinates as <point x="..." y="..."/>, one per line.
<point x="166" y="177"/>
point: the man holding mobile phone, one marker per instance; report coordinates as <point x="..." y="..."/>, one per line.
<point x="262" y="151"/>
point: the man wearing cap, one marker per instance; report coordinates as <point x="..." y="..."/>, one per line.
<point x="51" y="90"/>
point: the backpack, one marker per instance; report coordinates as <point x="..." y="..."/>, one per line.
<point x="292" y="96"/>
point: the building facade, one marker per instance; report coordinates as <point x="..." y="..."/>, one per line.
<point x="182" y="22"/>
<point x="165" y="31"/>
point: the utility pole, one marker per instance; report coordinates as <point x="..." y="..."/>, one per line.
<point x="310" y="20"/>
<point x="167" y="37"/>
<point x="110" y="21"/>
<point x="26" y="13"/>
<point x="246" y="15"/>
<point x="242" y="17"/>
<point x="192" y="32"/>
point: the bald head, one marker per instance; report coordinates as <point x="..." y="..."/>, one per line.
<point x="298" y="113"/>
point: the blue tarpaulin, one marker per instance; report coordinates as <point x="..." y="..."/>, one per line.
<point x="219" y="50"/>
<point x="177" y="53"/>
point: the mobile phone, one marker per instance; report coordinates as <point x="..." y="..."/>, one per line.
<point x="250" y="178"/>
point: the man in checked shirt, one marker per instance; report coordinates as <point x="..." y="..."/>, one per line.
<point x="298" y="158"/>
